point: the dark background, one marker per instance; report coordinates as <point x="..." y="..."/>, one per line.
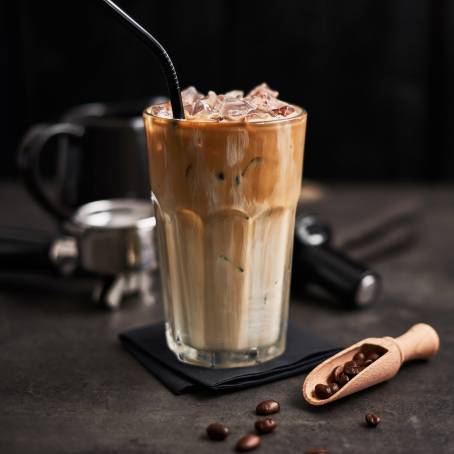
<point x="375" y="76"/>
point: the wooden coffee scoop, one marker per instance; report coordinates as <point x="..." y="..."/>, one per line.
<point x="421" y="341"/>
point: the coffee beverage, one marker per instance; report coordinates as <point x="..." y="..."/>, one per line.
<point x="225" y="188"/>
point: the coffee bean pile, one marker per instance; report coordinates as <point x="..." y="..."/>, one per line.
<point x="341" y="375"/>
<point x="218" y="431"/>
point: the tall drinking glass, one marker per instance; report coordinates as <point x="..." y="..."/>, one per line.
<point x="225" y="195"/>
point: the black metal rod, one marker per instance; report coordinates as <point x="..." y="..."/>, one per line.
<point x="164" y="59"/>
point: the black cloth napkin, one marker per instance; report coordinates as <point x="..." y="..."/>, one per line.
<point x="148" y="345"/>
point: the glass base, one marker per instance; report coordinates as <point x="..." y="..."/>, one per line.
<point x="223" y="359"/>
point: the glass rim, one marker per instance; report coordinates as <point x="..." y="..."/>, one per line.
<point x="302" y="114"/>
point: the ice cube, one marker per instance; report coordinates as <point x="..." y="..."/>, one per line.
<point x="236" y="109"/>
<point x="202" y="109"/>
<point x="261" y="103"/>
<point x="212" y="98"/>
<point x="256" y="115"/>
<point x="162" y="110"/>
<point x="263" y="90"/>
<point x="283" y="111"/>
<point x="238" y="94"/>
<point x="190" y="95"/>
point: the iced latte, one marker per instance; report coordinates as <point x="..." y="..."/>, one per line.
<point x="225" y="185"/>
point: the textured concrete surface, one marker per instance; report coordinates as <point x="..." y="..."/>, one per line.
<point x="66" y="386"/>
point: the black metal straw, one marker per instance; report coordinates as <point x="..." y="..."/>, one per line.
<point x="159" y="51"/>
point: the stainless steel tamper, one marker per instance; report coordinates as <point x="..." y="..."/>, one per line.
<point x="317" y="262"/>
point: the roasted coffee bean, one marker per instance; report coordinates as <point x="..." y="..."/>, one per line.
<point x="337" y="372"/>
<point x="248" y="443"/>
<point x="323" y="391"/>
<point x="264" y="426"/>
<point x="372" y="357"/>
<point x="217" y="431"/>
<point x="267" y="407"/>
<point x="368" y="362"/>
<point x="372" y="420"/>
<point x="359" y="357"/>
<point x="343" y="379"/>
<point x="334" y="387"/>
<point x="316" y="451"/>
<point x="352" y="368"/>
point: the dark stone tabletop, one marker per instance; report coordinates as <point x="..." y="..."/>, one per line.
<point x="67" y="386"/>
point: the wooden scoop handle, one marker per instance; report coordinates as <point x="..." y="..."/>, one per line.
<point x="421" y="341"/>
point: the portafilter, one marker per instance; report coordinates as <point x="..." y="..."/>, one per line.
<point x="112" y="240"/>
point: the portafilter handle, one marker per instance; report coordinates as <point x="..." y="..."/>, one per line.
<point x="23" y="249"/>
<point x="317" y="262"/>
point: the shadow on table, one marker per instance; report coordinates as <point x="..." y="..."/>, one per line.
<point x="55" y="294"/>
<point x="319" y="299"/>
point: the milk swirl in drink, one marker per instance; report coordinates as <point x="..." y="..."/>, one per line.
<point x="225" y="185"/>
